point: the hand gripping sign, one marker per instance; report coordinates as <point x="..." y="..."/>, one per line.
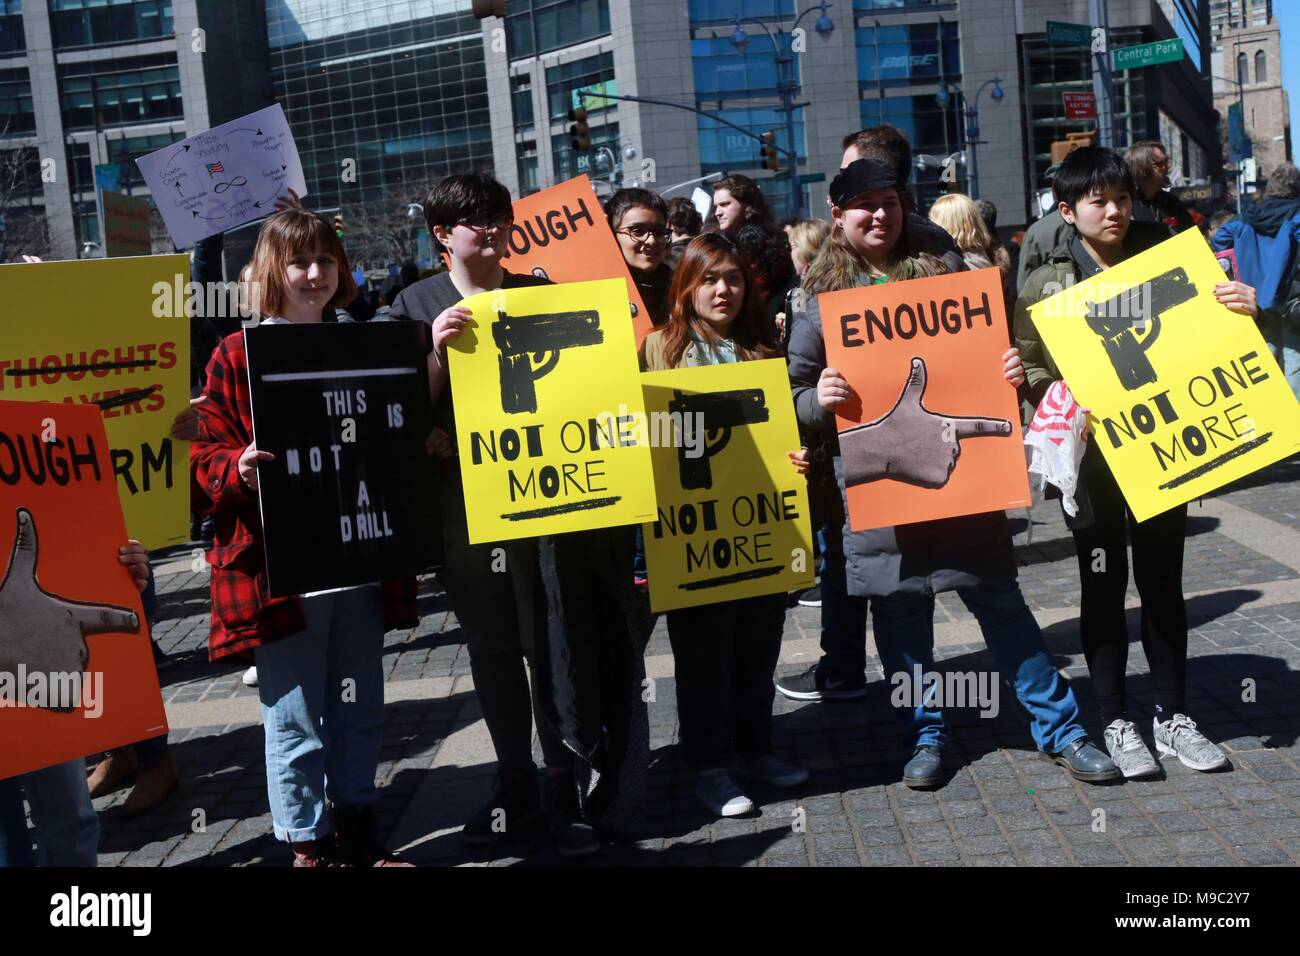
<point x="934" y="432"/>
<point x="76" y="669"/>
<point x="1183" y="394"/>
<point x="732" y="519"/>
<point x="550" y="418"/>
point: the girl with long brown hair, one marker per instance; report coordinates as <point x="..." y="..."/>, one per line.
<point x="725" y="653"/>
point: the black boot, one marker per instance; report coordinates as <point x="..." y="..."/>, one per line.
<point x="357" y="839"/>
<point x="515" y="806"/>
<point x="573" y="835"/>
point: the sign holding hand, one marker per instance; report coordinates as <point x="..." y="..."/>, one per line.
<point x="910" y="443"/>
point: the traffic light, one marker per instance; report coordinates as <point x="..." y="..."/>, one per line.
<point x="770" y="160"/>
<point x="579" y="132"/>
<point x="1064" y="147"/>
<point x="338" y="225"/>
<point x="482" y="9"/>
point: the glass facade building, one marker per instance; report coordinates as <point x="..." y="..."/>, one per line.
<point x="742" y="85"/>
<point x="399" y="86"/>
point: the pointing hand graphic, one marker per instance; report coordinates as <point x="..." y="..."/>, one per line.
<point x="41" y="631"/>
<point x="910" y="443"/>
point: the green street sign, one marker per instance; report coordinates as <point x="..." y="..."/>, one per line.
<point x="1148" y="54"/>
<point x="1068" y="34"/>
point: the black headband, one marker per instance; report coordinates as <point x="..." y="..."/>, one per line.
<point x="861" y="176"/>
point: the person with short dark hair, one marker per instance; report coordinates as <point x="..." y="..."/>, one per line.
<point x="1095" y="189"/>
<point x="767" y="249"/>
<point x="885" y="144"/>
<point x="1265" y="240"/>
<point x="737" y="202"/>
<point x="639" y="220"/>
<point x="685" y="222"/>
<point x="1148" y="161"/>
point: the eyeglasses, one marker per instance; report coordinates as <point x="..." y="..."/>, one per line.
<point x="640" y="234"/>
<point x="483" y="226"/>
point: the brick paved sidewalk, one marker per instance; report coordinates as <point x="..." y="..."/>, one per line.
<point x="1003" y="806"/>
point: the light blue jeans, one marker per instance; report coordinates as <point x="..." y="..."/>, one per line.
<point x="67" y="827"/>
<point x="322" y="693"/>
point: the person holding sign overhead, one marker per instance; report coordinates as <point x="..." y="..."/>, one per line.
<point x="1096" y="192"/>
<point x="895" y="572"/>
<point x="319" y="656"/>
<point x="726" y="652"/>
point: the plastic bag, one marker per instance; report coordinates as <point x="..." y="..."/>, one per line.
<point x="1057" y="439"/>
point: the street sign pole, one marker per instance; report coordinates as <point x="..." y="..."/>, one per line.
<point x="1102" y="86"/>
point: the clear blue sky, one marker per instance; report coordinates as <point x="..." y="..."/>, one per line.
<point x="1287" y="14"/>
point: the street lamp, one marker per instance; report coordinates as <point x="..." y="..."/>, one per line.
<point x="943" y="97"/>
<point x="786" y="84"/>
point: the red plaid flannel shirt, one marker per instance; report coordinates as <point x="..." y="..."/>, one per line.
<point x="244" y="615"/>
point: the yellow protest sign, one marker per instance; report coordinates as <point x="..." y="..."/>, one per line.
<point x="549" y="412"/>
<point x="107" y="332"/>
<point x="1183" y="393"/>
<point x="733" y="513"/>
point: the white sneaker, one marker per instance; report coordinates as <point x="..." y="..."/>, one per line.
<point x="772" y="771"/>
<point x="250" y="677"/>
<point x="1179" y="737"/>
<point x="1128" y="751"/>
<point x="719" y="793"/>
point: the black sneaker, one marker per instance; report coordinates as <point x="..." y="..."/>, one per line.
<point x="515" y="804"/>
<point x="812" y="597"/>
<point x="813" y="684"/>
<point x="573" y="835"/>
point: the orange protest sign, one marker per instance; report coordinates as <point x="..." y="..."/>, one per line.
<point x="76" y="669"/>
<point x="934" y="431"/>
<point x="562" y="233"/>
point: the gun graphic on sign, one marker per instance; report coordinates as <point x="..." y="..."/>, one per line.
<point x="542" y="336"/>
<point x="712" y="412"/>
<point x="1114" y="319"/>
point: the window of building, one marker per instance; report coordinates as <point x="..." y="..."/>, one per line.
<point x="723" y="149"/>
<point x="521" y="100"/>
<point x="535" y="26"/>
<point x="1186" y="21"/>
<point x="932" y="130"/>
<point x="723" y="71"/>
<point x="12" y="38"/>
<point x="527" y="168"/>
<point x="17" y="115"/>
<point x="139" y="90"/>
<point x="1243" y="69"/>
<point x="569" y="163"/>
<point x="87" y="22"/>
<point x="902" y="55"/>
<point x="877" y="5"/>
<point x="1261" y="67"/>
<point x="593" y="73"/>
<point x="717" y="10"/>
<point x="124" y="152"/>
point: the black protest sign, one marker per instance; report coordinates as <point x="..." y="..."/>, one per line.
<point x="344" y="408"/>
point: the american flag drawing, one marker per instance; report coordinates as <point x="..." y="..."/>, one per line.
<point x="214" y="168"/>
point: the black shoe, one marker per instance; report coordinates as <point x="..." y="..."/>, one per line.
<point x="814" y="684"/>
<point x="1085" y="762"/>
<point x="356" y="840"/>
<point x="573" y="835"/>
<point x="515" y="804"/>
<point x="812" y="597"/>
<point x="925" y="770"/>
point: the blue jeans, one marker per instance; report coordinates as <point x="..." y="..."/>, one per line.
<point x="904" y="629"/>
<point x="322" y="693"/>
<point x="67" y="827"/>
<point x="15" y="842"/>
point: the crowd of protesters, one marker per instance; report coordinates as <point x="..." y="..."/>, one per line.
<point x="557" y="642"/>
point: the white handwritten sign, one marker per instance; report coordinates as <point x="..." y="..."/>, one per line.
<point x="225" y="177"/>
